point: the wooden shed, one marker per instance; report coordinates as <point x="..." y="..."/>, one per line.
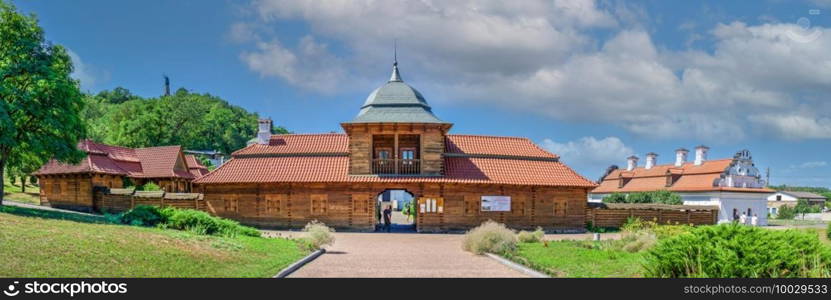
<point x="72" y="186"/>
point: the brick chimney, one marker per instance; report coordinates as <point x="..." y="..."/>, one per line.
<point x="681" y="156"/>
<point x="651" y="160"/>
<point x="264" y="131"/>
<point x="631" y="163"/>
<point x="701" y="154"/>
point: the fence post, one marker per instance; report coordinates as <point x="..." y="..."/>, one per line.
<point x="161" y="201"/>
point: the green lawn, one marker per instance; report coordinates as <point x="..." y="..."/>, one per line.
<point x="794" y="222"/>
<point x="81" y="246"/>
<point x="15" y="192"/>
<point x="578" y="259"/>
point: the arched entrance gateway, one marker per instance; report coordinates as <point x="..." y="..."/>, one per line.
<point x="396" y="143"/>
<point x="402" y="212"/>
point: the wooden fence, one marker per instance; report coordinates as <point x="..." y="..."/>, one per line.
<point x="119" y="200"/>
<point x="616" y="214"/>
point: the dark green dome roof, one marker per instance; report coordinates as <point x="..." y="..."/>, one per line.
<point x="396" y="102"/>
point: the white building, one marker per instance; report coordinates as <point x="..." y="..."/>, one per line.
<point x="790" y="198"/>
<point x="733" y="184"/>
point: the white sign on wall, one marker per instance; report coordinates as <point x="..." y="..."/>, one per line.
<point x="496" y="203"/>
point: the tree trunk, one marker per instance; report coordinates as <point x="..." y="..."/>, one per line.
<point x="23" y="184"/>
<point x="2" y="186"/>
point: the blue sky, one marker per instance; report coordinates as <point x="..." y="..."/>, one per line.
<point x="593" y="81"/>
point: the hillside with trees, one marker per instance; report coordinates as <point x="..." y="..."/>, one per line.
<point x="193" y="120"/>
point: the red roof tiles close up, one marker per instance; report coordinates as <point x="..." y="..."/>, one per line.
<point x="475" y="159"/>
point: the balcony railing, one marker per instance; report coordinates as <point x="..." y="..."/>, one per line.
<point x="396" y="166"/>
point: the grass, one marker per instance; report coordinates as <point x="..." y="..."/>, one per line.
<point x="578" y="259"/>
<point x="821" y="232"/>
<point x="35" y="243"/>
<point x="794" y="222"/>
<point x="15" y="193"/>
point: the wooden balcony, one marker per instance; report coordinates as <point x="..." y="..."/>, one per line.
<point x="396" y="166"/>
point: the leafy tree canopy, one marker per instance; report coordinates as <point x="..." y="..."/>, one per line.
<point x="193" y="120"/>
<point x="40" y="103"/>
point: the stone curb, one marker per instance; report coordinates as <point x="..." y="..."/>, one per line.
<point x="300" y="263"/>
<point x="519" y="268"/>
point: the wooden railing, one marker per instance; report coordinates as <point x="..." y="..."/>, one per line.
<point x="396" y="166"/>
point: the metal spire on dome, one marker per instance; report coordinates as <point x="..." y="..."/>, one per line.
<point x="395" y="75"/>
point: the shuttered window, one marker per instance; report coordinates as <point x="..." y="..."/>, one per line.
<point x="560" y="208"/>
<point x="274" y="203"/>
<point x="318" y="204"/>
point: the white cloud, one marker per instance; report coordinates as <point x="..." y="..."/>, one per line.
<point x="86" y="74"/>
<point x="540" y="56"/>
<point x="589" y="155"/>
<point x="810" y="165"/>
<point x="309" y="65"/>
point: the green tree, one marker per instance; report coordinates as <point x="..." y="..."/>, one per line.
<point x="615" y="198"/>
<point x="40" y="104"/>
<point x="803" y="207"/>
<point x="117" y="95"/>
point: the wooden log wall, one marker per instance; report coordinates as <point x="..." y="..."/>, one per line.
<point x="610" y="217"/>
<point x="114" y="203"/>
<point x="352" y="206"/>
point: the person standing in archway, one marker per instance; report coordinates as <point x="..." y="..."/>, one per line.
<point x="387" y="217"/>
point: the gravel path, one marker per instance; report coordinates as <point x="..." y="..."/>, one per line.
<point x="383" y="255"/>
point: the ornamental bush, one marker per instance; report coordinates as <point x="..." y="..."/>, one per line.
<point x="201" y="222"/>
<point x="531" y="236"/>
<point x="736" y="251"/>
<point x="318" y="234"/>
<point x="142" y="215"/>
<point x="490" y="237"/>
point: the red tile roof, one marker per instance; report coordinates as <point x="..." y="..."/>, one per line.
<point x="151" y="162"/>
<point x="494" y="145"/>
<point x="691" y="178"/>
<point x="195" y="167"/>
<point x="476" y="159"/>
<point x="299" y="143"/>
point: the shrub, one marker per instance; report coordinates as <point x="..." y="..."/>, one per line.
<point x="635" y="224"/>
<point x="731" y="250"/>
<point x="615" y="198"/>
<point x="201" y="222"/>
<point x="149" y="187"/>
<point x="490" y="237"/>
<point x="638" y="241"/>
<point x="318" y="234"/>
<point x="828" y="231"/>
<point x="141" y="215"/>
<point x="785" y="212"/>
<point x="531" y="236"/>
<point x="662" y="196"/>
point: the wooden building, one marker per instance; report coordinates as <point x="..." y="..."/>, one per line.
<point x="71" y="186"/>
<point x="396" y="143"/>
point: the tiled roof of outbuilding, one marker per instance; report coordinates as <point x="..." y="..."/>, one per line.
<point x="151" y="162"/>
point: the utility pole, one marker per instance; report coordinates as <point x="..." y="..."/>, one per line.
<point x="767" y="176"/>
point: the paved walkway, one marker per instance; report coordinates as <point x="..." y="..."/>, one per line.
<point x="383" y="255"/>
